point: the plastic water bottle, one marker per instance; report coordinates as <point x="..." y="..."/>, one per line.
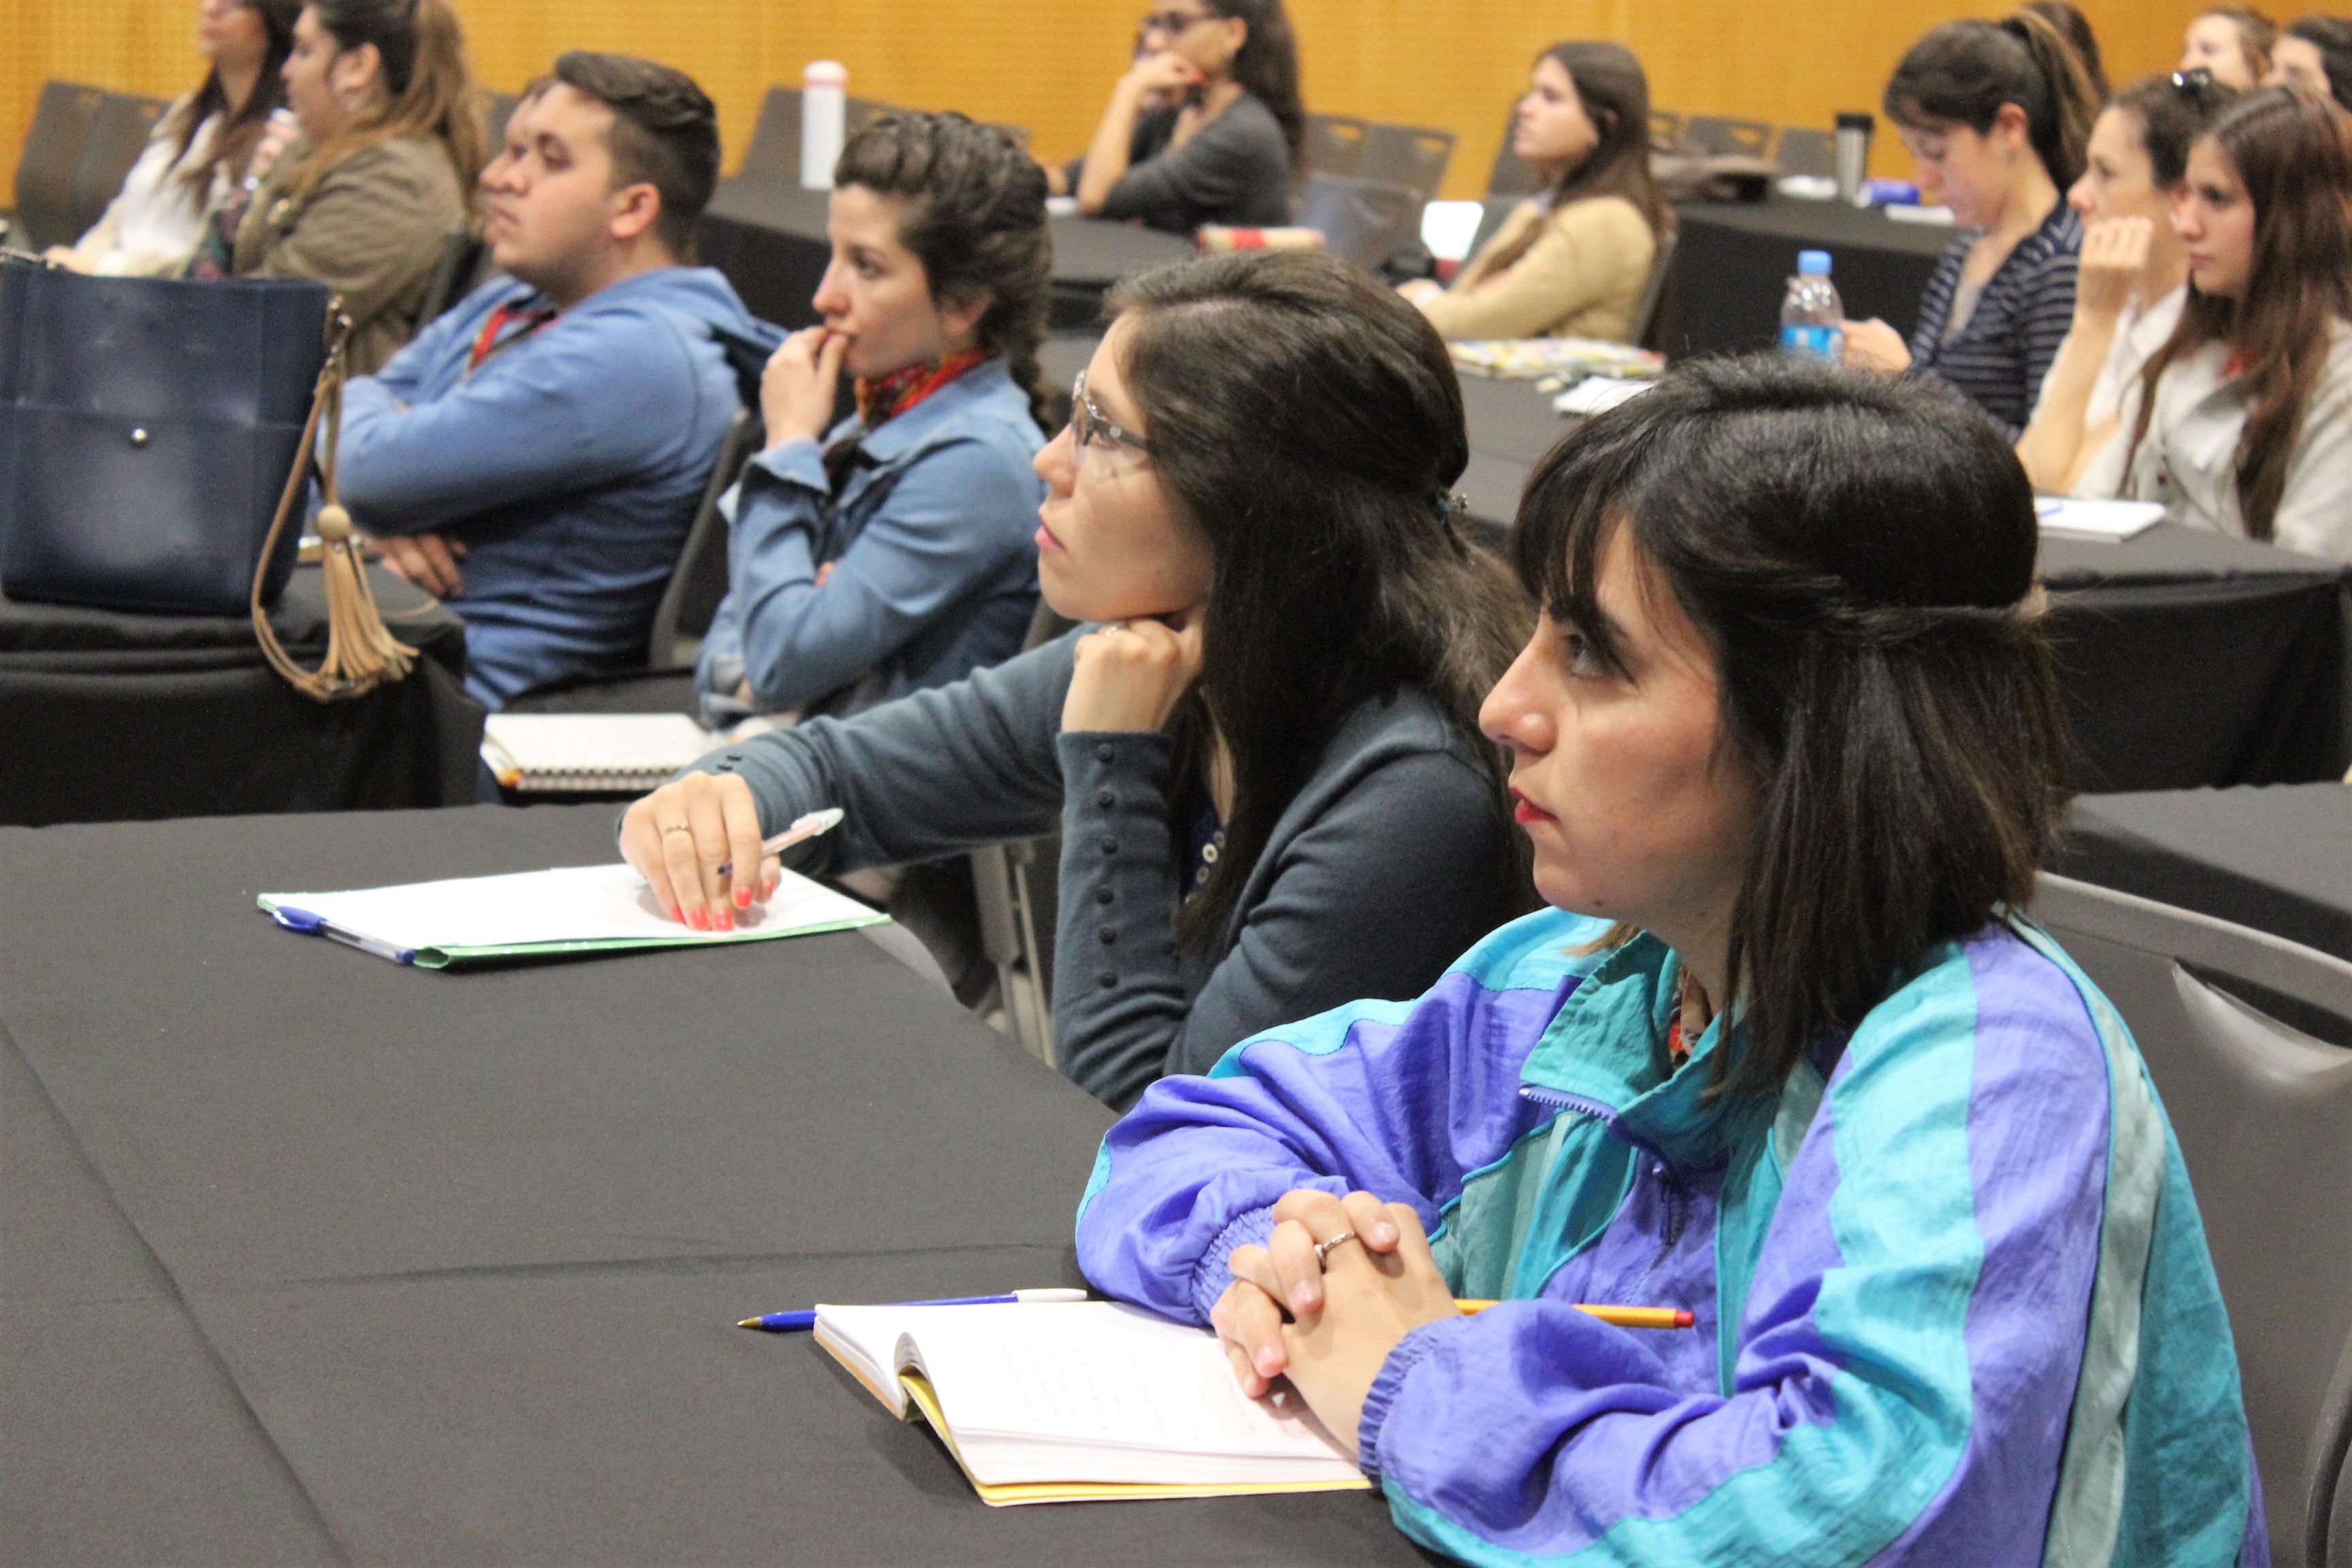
<point x="823" y="108"/>
<point x="1811" y="315"/>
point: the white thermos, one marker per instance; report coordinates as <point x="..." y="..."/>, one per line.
<point x="824" y="85"/>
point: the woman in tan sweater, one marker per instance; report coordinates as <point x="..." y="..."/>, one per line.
<point x="390" y="146"/>
<point x="1571" y="261"/>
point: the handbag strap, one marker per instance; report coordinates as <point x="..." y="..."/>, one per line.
<point x="361" y="654"/>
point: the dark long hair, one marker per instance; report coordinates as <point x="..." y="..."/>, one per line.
<point x="239" y="131"/>
<point x="1962" y="72"/>
<point x="2331" y="37"/>
<point x="1311" y="421"/>
<point x="1858" y="553"/>
<point x="1616" y="96"/>
<point x="2292" y="151"/>
<point x="2171" y="115"/>
<point x="975" y="218"/>
<point x="430" y="87"/>
<point x="1267" y="67"/>
<point x="2075" y="28"/>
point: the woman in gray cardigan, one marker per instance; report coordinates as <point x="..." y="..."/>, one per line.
<point x="1263" y="752"/>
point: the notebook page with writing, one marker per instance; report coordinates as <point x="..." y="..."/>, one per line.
<point x="1087" y="1393"/>
<point x="569" y="908"/>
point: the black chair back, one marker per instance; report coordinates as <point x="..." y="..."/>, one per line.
<point x="1716" y="133"/>
<point x="699" y="581"/>
<point x="46" y="213"/>
<point x="1362" y="221"/>
<point x="775" y="148"/>
<point x="456" y="275"/>
<point x="1803" y="152"/>
<point x="1665" y="128"/>
<point x="1335" y="145"/>
<point x="1410" y="155"/>
<point x="2245" y="1037"/>
<point x="1649" y="311"/>
<point x="1511" y="174"/>
<point x="498" y="107"/>
<point x="119" y="133"/>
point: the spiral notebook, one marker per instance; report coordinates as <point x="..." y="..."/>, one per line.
<point x="1083" y="1402"/>
<point x="605" y="752"/>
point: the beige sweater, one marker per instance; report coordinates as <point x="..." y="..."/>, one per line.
<point x="374" y="230"/>
<point x="1581" y="278"/>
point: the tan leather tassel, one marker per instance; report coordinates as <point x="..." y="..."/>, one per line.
<point x="362" y="653"/>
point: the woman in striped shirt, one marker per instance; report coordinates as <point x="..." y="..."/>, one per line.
<point x="1996" y="116"/>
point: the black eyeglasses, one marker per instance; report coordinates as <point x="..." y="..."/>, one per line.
<point x="1172" y="22"/>
<point x="1089" y="428"/>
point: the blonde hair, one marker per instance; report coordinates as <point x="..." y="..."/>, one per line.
<point x="429" y="87"/>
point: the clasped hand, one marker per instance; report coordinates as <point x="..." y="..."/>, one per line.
<point x="1346" y="1309"/>
<point x="1132" y="674"/>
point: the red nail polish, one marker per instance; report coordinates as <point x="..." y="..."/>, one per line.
<point x="725" y="921"/>
<point x="742" y="897"/>
<point x="698" y="921"/>
<point x="678" y="914"/>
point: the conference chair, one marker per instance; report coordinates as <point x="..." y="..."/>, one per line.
<point x="1017" y="901"/>
<point x="1805" y="152"/>
<point x="1646" y="329"/>
<point x="498" y="107"/>
<point x="1715" y="133"/>
<point x="1499" y="212"/>
<point x="1362" y="221"/>
<point x="1411" y="155"/>
<point x="45" y="212"/>
<point x="463" y="260"/>
<point x="1335" y="143"/>
<point x="118" y="135"/>
<point x="699" y="581"/>
<point x="2246" y="1035"/>
<point x="1665" y="128"/>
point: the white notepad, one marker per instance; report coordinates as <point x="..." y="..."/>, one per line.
<point x="609" y="751"/>
<point x="1087" y="1400"/>
<point x="530" y="914"/>
<point x="2115" y="519"/>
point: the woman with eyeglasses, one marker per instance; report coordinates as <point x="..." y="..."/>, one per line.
<point x="1996" y="116"/>
<point x="2130" y="283"/>
<point x="891" y="552"/>
<point x="1205" y="126"/>
<point x="1262" y="750"/>
<point x="2242" y="421"/>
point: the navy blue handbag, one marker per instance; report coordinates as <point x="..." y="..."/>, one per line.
<point x="147" y="430"/>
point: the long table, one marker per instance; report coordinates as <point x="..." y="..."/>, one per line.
<point x="109" y="715"/>
<point x="2190" y="659"/>
<point x="1733" y="260"/>
<point x="768" y="235"/>
<point x="2278" y="860"/>
<point x="310" y="1257"/>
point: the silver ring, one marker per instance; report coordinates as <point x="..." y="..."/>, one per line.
<point x="1323" y="1249"/>
<point x="675" y="827"/>
<point x="1113" y="626"/>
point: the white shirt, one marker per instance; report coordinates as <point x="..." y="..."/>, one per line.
<point x="2188" y="459"/>
<point x="2139" y="332"/>
<point x="153" y="227"/>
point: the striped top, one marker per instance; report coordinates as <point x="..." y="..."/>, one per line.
<point x="1998" y="360"/>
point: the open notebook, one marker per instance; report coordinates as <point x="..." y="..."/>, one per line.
<point x="1085" y="1401"/>
<point x="530" y="914"/>
<point x="539" y="752"/>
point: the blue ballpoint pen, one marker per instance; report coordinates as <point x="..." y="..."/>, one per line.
<point x="800" y="1322"/>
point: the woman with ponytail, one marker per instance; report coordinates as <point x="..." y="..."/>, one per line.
<point x="1206" y="125"/>
<point x="892" y="551"/>
<point x="1996" y="117"/>
<point x="2249" y="426"/>
<point x="390" y="147"/>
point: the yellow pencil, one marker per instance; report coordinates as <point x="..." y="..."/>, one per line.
<point x="1622" y="1317"/>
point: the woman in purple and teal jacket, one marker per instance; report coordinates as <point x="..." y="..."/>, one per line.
<point x="1786" y="1052"/>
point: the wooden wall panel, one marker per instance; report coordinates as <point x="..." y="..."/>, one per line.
<point x="1047" y="64"/>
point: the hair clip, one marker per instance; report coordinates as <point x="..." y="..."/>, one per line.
<point x="2195" y="79"/>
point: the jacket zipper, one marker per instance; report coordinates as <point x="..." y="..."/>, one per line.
<point x="1678" y="1199"/>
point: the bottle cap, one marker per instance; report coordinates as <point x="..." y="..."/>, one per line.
<point x="825" y="73"/>
<point x="1812" y="263"/>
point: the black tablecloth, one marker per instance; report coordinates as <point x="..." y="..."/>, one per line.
<point x="109" y="715"/>
<point x="1733" y="261"/>
<point x="2277" y="859"/>
<point x="768" y="235"/>
<point x="309" y="1257"/>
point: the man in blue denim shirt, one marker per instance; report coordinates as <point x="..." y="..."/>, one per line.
<point x="897" y="549"/>
<point x="536" y="455"/>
